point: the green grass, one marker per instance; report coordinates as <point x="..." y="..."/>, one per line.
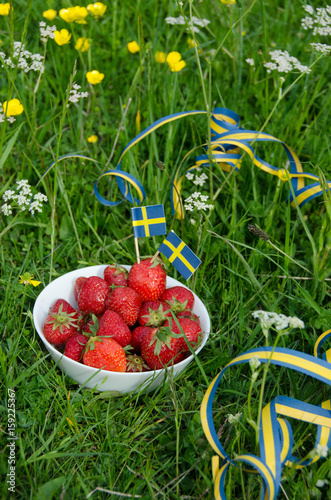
<point x="79" y="443"/>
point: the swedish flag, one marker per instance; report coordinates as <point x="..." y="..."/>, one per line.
<point x="148" y="221"/>
<point x="180" y="255"/>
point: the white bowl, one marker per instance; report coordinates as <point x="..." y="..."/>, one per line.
<point x="94" y="378"/>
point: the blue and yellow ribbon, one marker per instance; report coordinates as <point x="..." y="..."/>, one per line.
<point x="229" y="143"/>
<point x="275" y="433"/>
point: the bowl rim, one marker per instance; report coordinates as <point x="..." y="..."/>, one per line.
<point x="91" y="369"/>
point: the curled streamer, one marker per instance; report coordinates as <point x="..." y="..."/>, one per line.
<point x="275" y="435"/>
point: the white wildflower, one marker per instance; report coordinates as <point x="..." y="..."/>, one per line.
<point x="74" y="95"/>
<point x="250" y="61"/>
<point x="194" y="23"/>
<point x="46" y="32"/>
<point x="321" y="47"/>
<point x="189" y="176"/>
<point x="254" y="363"/>
<point x="6" y="209"/>
<point x="322" y="451"/>
<point x="23" y="59"/>
<point x="284" y="63"/>
<point x="232" y="419"/>
<point x="8" y="195"/>
<point x="189" y="207"/>
<point x="319" y="20"/>
<point x="192" y="221"/>
<point x="278" y="321"/>
<point x="22" y="199"/>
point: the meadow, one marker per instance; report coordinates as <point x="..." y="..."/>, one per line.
<point x="87" y="92"/>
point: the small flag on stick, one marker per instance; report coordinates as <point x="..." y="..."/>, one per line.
<point x="180" y="255"/>
<point x="148" y="221"/>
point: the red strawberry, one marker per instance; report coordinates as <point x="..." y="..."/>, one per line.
<point x="61" y="323"/>
<point x="79" y="283"/>
<point x="179" y="298"/>
<point x="75" y="346"/>
<point x="112" y="325"/>
<point x="148" y="279"/>
<point x="135" y="364"/>
<point x="126" y="302"/>
<point x="92" y="295"/>
<point x="153" y="313"/>
<point x="159" y="348"/>
<point x="105" y="353"/>
<point x="189" y="314"/>
<point x="190" y="328"/>
<point x="116" y="275"/>
<point x="137" y="336"/>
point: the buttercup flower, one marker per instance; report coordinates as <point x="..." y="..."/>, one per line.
<point x="92" y="139"/>
<point x="191" y="43"/>
<point x="82" y="44"/>
<point x="62" y="37"/>
<point x="27" y="279"/>
<point x="4" y="9"/>
<point x="13" y="107"/>
<point x="160" y="57"/>
<point x="74" y="14"/>
<point x="228" y="2"/>
<point x="133" y="47"/>
<point x="97" y="9"/>
<point x="175" y="61"/>
<point x="94" y="77"/>
<point x="49" y="14"/>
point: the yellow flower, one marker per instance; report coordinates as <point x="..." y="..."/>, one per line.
<point x="160" y="57"/>
<point x="49" y="14"/>
<point x="97" y="9"/>
<point x="175" y="61"/>
<point x="4" y="9"/>
<point x="229" y="2"/>
<point x="27" y="279"/>
<point x="74" y="14"/>
<point x="191" y="43"/>
<point x="62" y="37"/>
<point x="92" y="139"/>
<point x="13" y="107"/>
<point x="94" y="77"/>
<point x="82" y="44"/>
<point x="133" y="47"/>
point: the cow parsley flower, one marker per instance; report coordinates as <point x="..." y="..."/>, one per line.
<point x="197" y="201"/>
<point x="250" y="61"/>
<point x="23" y="59"/>
<point x="21" y="199"/>
<point x="74" y="95"/>
<point x="284" y="63"/>
<point x="46" y="32"/>
<point x="279" y="322"/>
<point x="195" y="23"/>
<point x="319" y="20"/>
<point x="321" y="47"/>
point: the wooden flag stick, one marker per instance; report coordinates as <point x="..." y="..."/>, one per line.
<point x="155" y="256"/>
<point x="137" y="249"/>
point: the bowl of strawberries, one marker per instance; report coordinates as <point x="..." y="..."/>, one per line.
<point x="121" y="328"/>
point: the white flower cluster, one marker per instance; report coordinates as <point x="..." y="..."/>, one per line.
<point x="3" y="116"/>
<point x="180" y="20"/>
<point x="318" y="20"/>
<point x="197" y="201"/>
<point x="322" y="451"/>
<point x="278" y="321"/>
<point x="22" y="199"/>
<point x="250" y="61"/>
<point x="284" y="63"/>
<point x="321" y="47"/>
<point x="232" y="419"/>
<point x="198" y="180"/>
<point x="23" y="59"/>
<point x="74" y="95"/>
<point x="46" y="32"/>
